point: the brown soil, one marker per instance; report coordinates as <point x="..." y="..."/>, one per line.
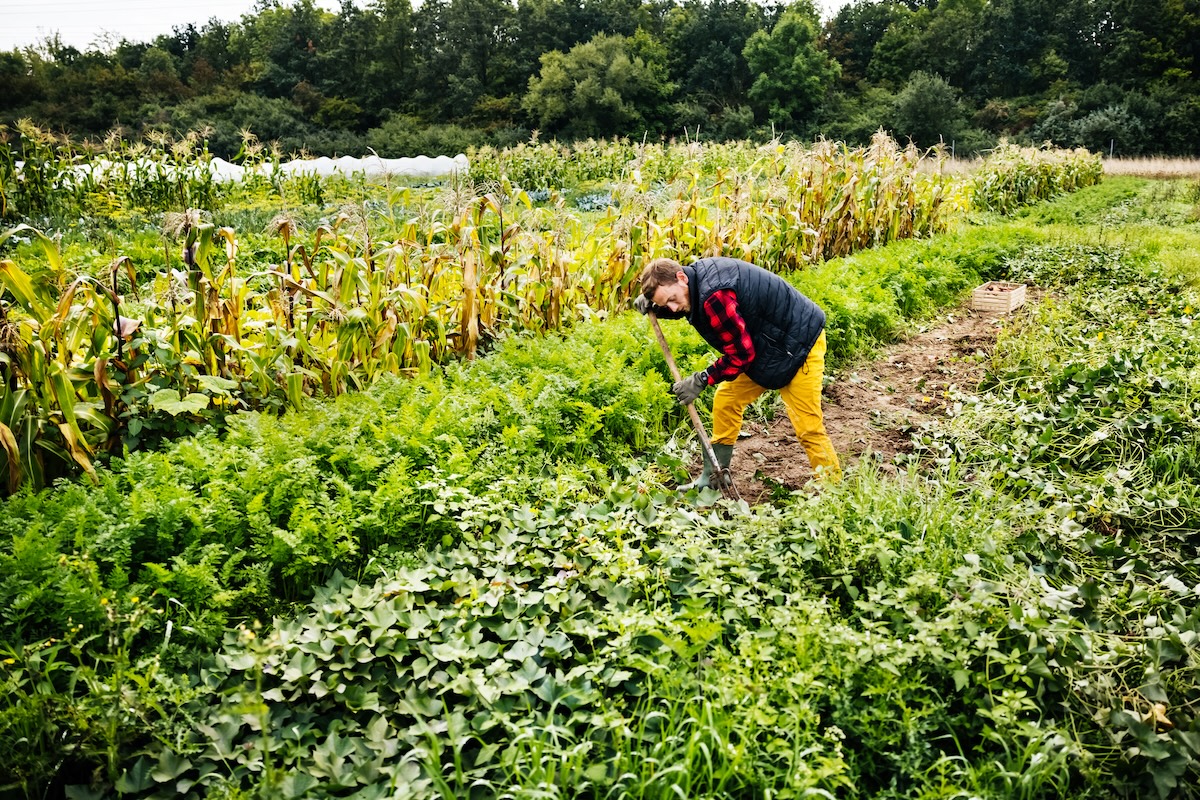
<point x="870" y="408"/>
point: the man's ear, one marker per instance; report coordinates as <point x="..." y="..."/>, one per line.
<point x="681" y="276"/>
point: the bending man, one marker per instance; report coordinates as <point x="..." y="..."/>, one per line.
<point x="770" y="336"/>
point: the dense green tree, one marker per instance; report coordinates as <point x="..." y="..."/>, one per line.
<point x="791" y="74"/>
<point x="434" y="61"/>
<point x="943" y="38"/>
<point x="855" y="117"/>
<point x="466" y="56"/>
<point x="545" y="25"/>
<point x="17" y="76"/>
<point x="599" y="88"/>
<point x="1180" y="122"/>
<point x="1152" y="40"/>
<point x="404" y="136"/>
<point x="1073" y="33"/>
<point x="705" y="40"/>
<point x="1015" y="55"/>
<point x="624" y="17"/>
<point x="481" y="37"/>
<point x="900" y="50"/>
<point x="216" y="47"/>
<point x="928" y="111"/>
<point x="285" y="42"/>
<point x="951" y="41"/>
<point x="393" y="65"/>
<point x="226" y="114"/>
<point x="88" y="91"/>
<point x="158" y="75"/>
<point x="853" y="33"/>
<point x="345" y="56"/>
<point x="1113" y="129"/>
<point x="1056" y="124"/>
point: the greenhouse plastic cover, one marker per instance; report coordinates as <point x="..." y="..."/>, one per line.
<point x="224" y="171"/>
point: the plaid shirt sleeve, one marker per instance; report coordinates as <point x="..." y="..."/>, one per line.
<point x="726" y="320"/>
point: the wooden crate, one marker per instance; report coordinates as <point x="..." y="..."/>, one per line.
<point x="998" y="296"/>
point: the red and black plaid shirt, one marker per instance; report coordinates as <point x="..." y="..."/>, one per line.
<point x="726" y="320"/>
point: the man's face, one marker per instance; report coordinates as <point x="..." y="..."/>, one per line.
<point x="674" y="295"/>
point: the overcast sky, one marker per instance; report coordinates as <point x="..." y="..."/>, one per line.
<point x="84" y="23"/>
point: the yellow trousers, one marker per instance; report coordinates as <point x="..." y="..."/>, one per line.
<point x="801" y="397"/>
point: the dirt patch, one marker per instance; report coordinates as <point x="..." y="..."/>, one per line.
<point x="870" y="408"/>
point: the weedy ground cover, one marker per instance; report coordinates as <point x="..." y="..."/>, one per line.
<point x="1009" y="617"/>
<point x="1090" y="416"/>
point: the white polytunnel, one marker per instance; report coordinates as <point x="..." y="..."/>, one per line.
<point x="224" y="171"/>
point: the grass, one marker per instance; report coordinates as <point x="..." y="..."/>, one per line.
<point x="1153" y="167"/>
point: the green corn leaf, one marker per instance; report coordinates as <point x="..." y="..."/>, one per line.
<point x="22" y="288"/>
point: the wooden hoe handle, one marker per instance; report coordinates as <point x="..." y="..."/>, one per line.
<point x="723" y="475"/>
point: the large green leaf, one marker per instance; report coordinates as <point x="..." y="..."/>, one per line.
<point x="170" y="766"/>
<point x="137" y="778"/>
<point x="168" y="400"/>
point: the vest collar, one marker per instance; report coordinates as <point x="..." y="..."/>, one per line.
<point x="693" y="291"/>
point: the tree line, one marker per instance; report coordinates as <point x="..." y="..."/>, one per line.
<point x="1110" y="75"/>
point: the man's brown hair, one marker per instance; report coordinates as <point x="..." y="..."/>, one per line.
<point x="659" y="272"/>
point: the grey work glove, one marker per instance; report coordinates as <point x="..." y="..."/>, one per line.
<point x="642" y="304"/>
<point x="687" y="390"/>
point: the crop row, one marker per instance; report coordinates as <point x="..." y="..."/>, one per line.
<point x="97" y="361"/>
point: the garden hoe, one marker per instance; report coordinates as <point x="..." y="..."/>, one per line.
<point x="722" y="475"/>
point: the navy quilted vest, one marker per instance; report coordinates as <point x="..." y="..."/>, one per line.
<point x="783" y="323"/>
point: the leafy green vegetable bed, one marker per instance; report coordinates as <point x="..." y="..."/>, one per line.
<point x="1014" y="615"/>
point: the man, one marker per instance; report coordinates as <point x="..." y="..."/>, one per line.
<point x="771" y="337"/>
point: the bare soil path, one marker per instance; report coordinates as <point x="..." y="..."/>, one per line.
<point x="870" y="407"/>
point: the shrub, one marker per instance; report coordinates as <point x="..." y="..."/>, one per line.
<point x="403" y="136"/>
<point x="1112" y="128"/>
<point x="928" y="111"/>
